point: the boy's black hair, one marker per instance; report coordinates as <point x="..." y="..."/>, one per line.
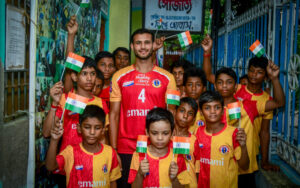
<point x="99" y="75"/>
<point x="210" y="96"/>
<point x="123" y="49"/>
<point x="159" y="114"/>
<point x="261" y="62"/>
<point x="190" y="101"/>
<point x="227" y="71"/>
<point x="194" y="72"/>
<point x="141" y="31"/>
<point x="185" y="64"/>
<point x="92" y="111"/>
<point x="244" y="76"/>
<point x="88" y="62"/>
<point x="104" y="54"/>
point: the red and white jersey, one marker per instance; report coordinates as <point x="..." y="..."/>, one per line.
<point x="138" y="94"/>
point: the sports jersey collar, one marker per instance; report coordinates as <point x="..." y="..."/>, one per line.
<point x="89" y="153"/>
<point x="256" y="94"/>
<point x="215" y="134"/>
<point x="158" y="158"/>
<point x="133" y="66"/>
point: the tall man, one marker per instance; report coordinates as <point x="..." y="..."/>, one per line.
<point x="136" y="89"/>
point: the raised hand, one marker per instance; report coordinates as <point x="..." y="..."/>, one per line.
<point x="173" y="170"/>
<point x="56" y="92"/>
<point x="144" y="167"/>
<point x="72" y="26"/>
<point x="57" y="130"/>
<point x="241" y="137"/>
<point x="207" y="44"/>
<point x="272" y="70"/>
<point x="158" y="43"/>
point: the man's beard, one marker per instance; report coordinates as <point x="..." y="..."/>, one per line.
<point x="143" y="58"/>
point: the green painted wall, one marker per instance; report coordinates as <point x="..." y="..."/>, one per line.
<point x="137" y="23"/>
<point x="2" y="30"/>
<point x="119" y="24"/>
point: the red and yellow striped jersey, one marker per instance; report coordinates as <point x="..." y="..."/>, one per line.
<point x="243" y="93"/>
<point x="216" y="157"/>
<point x="71" y="119"/>
<point x="139" y="93"/>
<point x="199" y="121"/>
<point x="159" y="169"/>
<point x="85" y="169"/>
<point x="249" y="111"/>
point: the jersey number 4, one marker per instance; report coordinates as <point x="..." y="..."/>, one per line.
<point x="142" y="96"/>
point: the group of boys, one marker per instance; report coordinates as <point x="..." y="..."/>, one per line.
<point x="98" y="147"/>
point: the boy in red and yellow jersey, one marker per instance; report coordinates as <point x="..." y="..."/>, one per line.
<point x="219" y="149"/>
<point x="159" y="167"/>
<point x="184" y="118"/>
<point x="90" y="163"/>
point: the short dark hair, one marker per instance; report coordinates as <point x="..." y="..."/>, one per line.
<point x="185" y="64"/>
<point x="194" y="72"/>
<point x="159" y="114"/>
<point x="123" y="49"/>
<point x="261" y="62"/>
<point x="141" y="31"/>
<point x="244" y="76"/>
<point x="227" y="71"/>
<point x="92" y="111"/>
<point x="210" y="96"/>
<point x="88" y="63"/>
<point x="190" y="101"/>
<point x="99" y="75"/>
<point x="103" y="54"/>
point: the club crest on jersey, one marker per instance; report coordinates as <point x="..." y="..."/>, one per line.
<point x="104" y="168"/>
<point x="224" y="149"/>
<point x="129" y="83"/>
<point x="79" y="167"/>
<point x="156" y="83"/>
<point x="200" y="145"/>
<point x="200" y="123"/>
<point x="188" y="157"/>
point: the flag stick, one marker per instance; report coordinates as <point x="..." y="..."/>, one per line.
<point x="239" y="123"/>
<point x="267" y="56"/>
<point x="77" y="11"/>
<point x="171" y="36"/>
<point x="62" y="74"/>
<point x="62" y="116"/>
<point x="156" y="33"/>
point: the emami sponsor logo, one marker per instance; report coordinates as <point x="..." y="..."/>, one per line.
<point x="212" y="161"/>
<point x="91" y="183"/>
<point x="137" y="112"/>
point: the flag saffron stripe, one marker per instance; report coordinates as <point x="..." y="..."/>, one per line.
<point x="188" y="35"/>
<point x="181" y="139"/>
<point x="77" y="57"/>
<point x="233" y="105"/>
<point x="142" y="138"/>
<point x="78" y="97"/>
<point x="254" y="45"/>
<point x="173" y="92"/>
<point x="74" y="61"/>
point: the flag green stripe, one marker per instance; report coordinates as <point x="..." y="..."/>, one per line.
<point x="181" y="151"/>
<point x="84" y="5"/>
<point x="74" y="108"/>
<point x="141" y="149"/>
<point x="73" y="67"/>
<point x="235" y="116"/>
<point x="174" y="102"/>
<point x="260" y="53"/>
<point x="181" y="40"/>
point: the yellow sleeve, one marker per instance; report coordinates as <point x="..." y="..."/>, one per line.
<point x="115" y="95"/>
<point x="237" y="152"/>
<point x="115" y="172"/>
<point x="268" y="115"/>
<point x="172" y="83"/>
<point x="183" y="175"/>
<point x="135" y="162"/>
<point x="261" y="107"/>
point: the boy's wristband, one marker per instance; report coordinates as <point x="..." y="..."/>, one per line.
<point x="206" y="55"/>
<point x="54" y="107"/>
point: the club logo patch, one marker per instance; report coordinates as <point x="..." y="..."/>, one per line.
<point x="79" y="167"/>
<point x="224" y="149"/>
<point x="104" y="169"/>
<point x="200" y="145"/>
<point x="129" y="83"/>
<point x="188" y="157"/>
<point x="156" y="83"/>
<point x="200" y="123"/>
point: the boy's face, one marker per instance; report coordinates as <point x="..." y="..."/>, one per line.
<point x="178" y="75"/>
<point x="194" y="87"/>
<point x="142" y="46"/>
<point x="225" y="85"/>
<point x="256" y="75"/>
<point x="185" y="115"/>
<point x="85" y="79"/>
<point x="212" y="111"/>
<point x="122" y="59"/>
<point x="91" y="130"/>
<point x="98" y="87"/>
<point x="244" y="81"/>
<point x="159" y="133"/>
<point x="106" y="66"/>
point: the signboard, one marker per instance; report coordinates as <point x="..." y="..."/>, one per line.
<point x="176" y="15"/>
<point x="15" y="39"/>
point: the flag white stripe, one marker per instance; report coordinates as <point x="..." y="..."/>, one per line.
<point x="234" y="110"/>
<point x="258" y="48"/>
<point x="76" y="103"/>
<point x="74" y="61"/>
<point x="185" y="39"/>
<point x="175" y="97"/>
<point x="141" y="144"/>
<point x="85" y="1"/>
<point x="181" y="145"/>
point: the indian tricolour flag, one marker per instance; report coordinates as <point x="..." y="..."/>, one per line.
<point x="76" y="103"/>
<point x="173" y="97"/>
<point x="74" y="62"/>
<point x="85" y="3"/>
<point x="141" y="145"/>
<point x="181" y="145"/>
<point x="185" y="39"/>
<point x="159" y="24"/>
<point x="257" y="48"/>
<point x="234" y="110"/>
